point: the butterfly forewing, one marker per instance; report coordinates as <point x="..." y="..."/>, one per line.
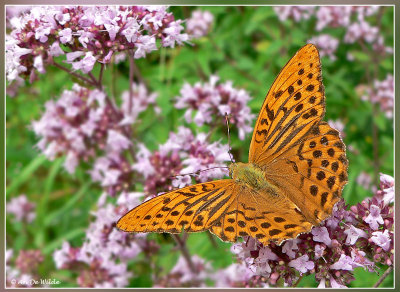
<point x="293" y="105"/>
<point x="191" y="208"/>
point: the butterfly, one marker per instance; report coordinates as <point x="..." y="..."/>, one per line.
<point x="295" y="174"/>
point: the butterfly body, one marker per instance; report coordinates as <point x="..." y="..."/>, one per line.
<point x="250" y="175"/>
<point x="296" y="172"/>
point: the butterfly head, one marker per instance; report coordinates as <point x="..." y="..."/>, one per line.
<point x="236" y="169"/>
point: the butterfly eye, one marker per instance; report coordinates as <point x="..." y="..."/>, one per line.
<point x="232" y="168"/>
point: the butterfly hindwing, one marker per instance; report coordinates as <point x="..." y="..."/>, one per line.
<point x="317" y="170"/>
<point x="262" y="215"/>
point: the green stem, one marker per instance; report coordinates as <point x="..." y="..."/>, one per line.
<point x="375" y="135"/>
<point x="131" y="75"/>
<point x="383" y="277"/>
<point x="185" y="252"/>
<point x="298" y="281"/>
<point x="95" y="81"/>
<point x="101" y="75"/>
<point x="88" y="81"/>
<point x="234" y="64"/>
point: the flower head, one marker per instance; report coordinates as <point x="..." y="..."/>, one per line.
<point x="382" y="93"/>
<point x="183" y="153"/>
<point x="199" y="24"/>
<point x="182" y="274"/>
<point x="21" y="208"/>
<point x="382" y="239"/>
<point x="28" y="261"/>
<point x="302" y="264"/>
<point x="297" y="13"/>
<point x="374" y="218"/>
<point x="386" y="192"/>
<point x="211" y="99"/>
<point x="326" y="45"/>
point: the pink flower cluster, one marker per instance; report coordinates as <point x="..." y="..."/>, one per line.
<point x="84" y="125"/>
<point x="352" y="18"/>
<point x="22" y="209"/>
<point x="23" y="272"/>
<point x="102" y="259"/>
<point x="326" y="45"/>
<point x="199" y="24"/>
<point x="359" y="237"/>
<point x="86" y="35"/>
<point x="297" y="13"/>
<point x="363" y="30"/>
<point x="16" y="11"/>
<point x="213" y="99"/>
<point x="386" y="189"/>
<point x="68" y="122"/>
<point x="183" y="153"/>
<point x="69" y="125"/>
<point x="333" y="16"/>
<point x="364" y="180"/>
<point x="237" y="275"/>
<point x="182" y="276"/>
<point x="345" y="16"/>
<point x="382" y="93"/>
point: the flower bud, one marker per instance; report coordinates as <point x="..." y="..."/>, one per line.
<point x="354" y="209"/>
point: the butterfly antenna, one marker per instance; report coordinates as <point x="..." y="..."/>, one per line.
<point x="197" y="172"/>
<point x="229" y="137"/>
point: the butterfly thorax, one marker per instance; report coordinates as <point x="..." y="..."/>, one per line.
<point x="249" y="174"/>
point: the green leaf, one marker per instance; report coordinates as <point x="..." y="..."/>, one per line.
<point x="202" y="244"/>
<point x="68" y="205"/>
<point x="360" y="56"/>
<point x="26" y="174"/>
<point x="42" y="209"/>
<point x="380" y="121"/>
<point x="56" y="243"/>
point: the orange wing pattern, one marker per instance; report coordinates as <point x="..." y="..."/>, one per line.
<point x="227" y="209"/>
<point x="193" y="208"/>
<point x="300" y="155"/>
<point x="260" y="215"/>
<point x="293" y="105"/>
<point x="316" y="169"/>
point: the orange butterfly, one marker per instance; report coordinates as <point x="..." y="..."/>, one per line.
<point x="296" y="171"/>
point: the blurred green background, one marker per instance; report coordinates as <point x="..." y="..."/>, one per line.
<point x="248" y="45"/>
